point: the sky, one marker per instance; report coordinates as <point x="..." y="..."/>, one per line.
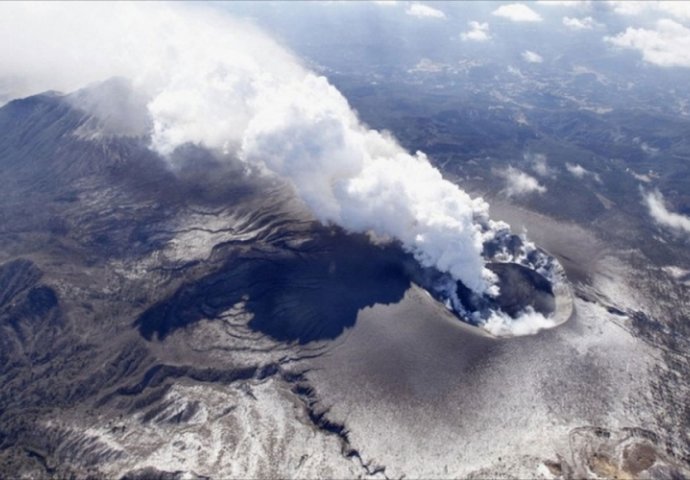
<point x="657" y="33"/>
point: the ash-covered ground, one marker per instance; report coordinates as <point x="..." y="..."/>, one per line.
<point x="217" y="264"/>
<point x="198" y="322"/>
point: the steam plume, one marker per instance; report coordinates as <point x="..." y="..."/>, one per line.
<point x="221" y="83"/>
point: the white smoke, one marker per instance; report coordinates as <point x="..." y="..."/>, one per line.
<point x="528" y="322"/>
<point x="222" y="84"/>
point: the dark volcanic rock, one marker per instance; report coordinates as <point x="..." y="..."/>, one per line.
<point x="16" y="276"/>
<point x="151" y="473"/>
<point x="41" y="300"/>
<point x="87" y="282"/>
<point x="522" y="287"/>
<point x="292" y="295"/>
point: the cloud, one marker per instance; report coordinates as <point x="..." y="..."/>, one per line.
<point x="657" y="209"/>
<point x="517" y="12"/>
<point x="478" y="32"/>
<point x="648" y="149"/>
<point x="628" y="8"/>
<point x="386" y="3"/>
<point x="519" y="183"/>
<point x="642" y="177"/>
<point x="420" y="10"/>
<point x="222" y="84"/>
<point x="426" y="65"/>
<point x="586" y="23"/>
<point x="539" y="164"/>
<point x="531" y="57"/>
<point x="565" y="3"/>
<point x="680" y="10"/>
<point x="666" y="46"/>
<point x="577" y="170"/>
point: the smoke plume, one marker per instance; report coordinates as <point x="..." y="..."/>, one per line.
<point x="221" y="83"/>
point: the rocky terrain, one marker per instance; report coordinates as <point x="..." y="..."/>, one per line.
<point x="196" y="322"/>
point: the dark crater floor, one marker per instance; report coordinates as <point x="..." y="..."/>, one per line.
<point x="520" y="287"/>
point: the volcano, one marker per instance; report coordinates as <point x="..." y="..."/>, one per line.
<point x="227" y="262"/>
<point x="114" y="259"/>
